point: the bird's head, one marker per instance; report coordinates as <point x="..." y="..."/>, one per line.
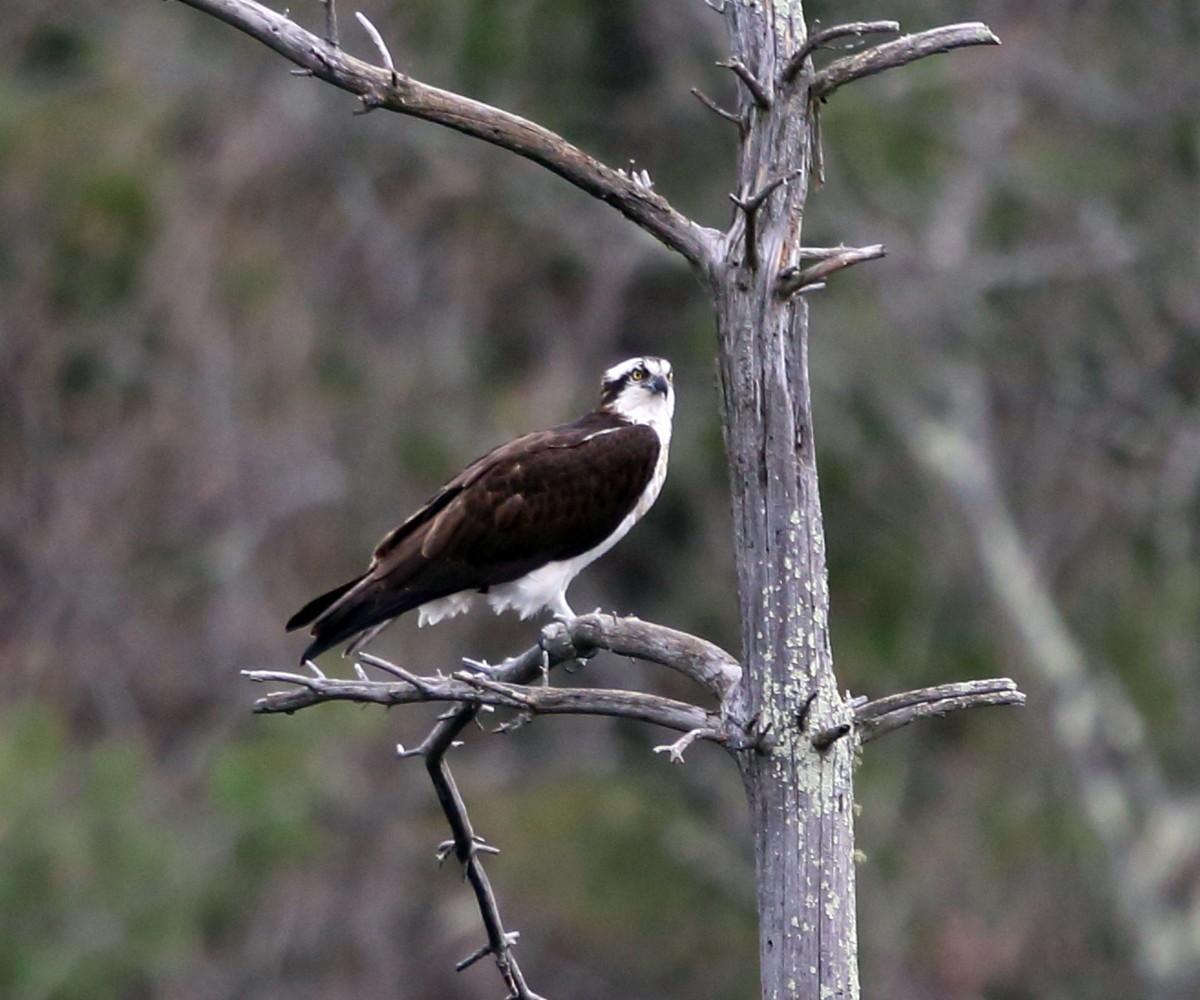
<point x="641" y="390"/>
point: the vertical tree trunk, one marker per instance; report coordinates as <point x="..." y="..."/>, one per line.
<point x="801" y="799"/>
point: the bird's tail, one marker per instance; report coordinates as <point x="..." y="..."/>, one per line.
<point x="351" y="609"/>
<point x="319" y="605"/>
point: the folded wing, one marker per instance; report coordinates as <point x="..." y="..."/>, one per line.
<point x="544" y="497"/>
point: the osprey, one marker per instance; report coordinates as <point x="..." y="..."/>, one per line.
<point x="517" y="525"/>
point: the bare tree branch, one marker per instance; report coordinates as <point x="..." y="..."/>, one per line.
<point x="472" y="690"/>
<point x="702" y="661"/>
<point x="331" y="24"/>
<point x="467" y="846"/>
<point x="383" y="88"/>
<point x="899" y="53"/>
<point x="716" y="109"/>
<point x="796" y="281"/>
<point x="750" y="206"/>
<point x="709" y="665"/>
<point x="505" y="685"/>
<point x="1122" y="788"/>
<point x="882" y="716"/>
<point x="465" y="843"/>
<point x="758" y="92"/>
<point x="821" y="39"/>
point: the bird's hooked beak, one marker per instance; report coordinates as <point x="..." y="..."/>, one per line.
<point x="659" y="384"/>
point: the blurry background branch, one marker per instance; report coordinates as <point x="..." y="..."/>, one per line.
<point x="1148" y="832"/>
<point x="949" y="422"/>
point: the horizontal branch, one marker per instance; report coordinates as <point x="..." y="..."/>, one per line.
<point x="383" y="88"/>
<point x="702" y="661"/>
<point x="899" y="53"/>
<point x="882" y="716"/>
<point x="796" y="281"/>
<point x="506" y="685"/>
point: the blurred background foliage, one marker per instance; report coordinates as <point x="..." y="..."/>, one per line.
<point x="242" y="332"/>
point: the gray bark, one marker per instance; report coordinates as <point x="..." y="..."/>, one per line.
<point x="801" y="800"/>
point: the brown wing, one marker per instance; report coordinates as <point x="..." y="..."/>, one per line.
<point x="552" y="502"/>
<point x="546" y="496"/>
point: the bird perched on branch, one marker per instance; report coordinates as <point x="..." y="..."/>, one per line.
<point x="517" y="525"/>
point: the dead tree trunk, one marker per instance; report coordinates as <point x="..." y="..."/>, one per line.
<point x="800" y="798"/>
<point x="793" y="733"/>
<point x="801" y="794"/>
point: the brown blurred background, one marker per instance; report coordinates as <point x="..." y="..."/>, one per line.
<point x="242" y="332"/>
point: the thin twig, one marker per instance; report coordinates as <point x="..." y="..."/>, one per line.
<point x="714" y="107"/>
<point x="899" y="53"/>
<point x="796" y="281"/>
<point x="380" y="44"/>
<point x="381" y="88"/>
<point x="759" y="198"/>
<point x="512" y="693"/>
<point x="821" y="253"/>
<point x="281" y="676"/>
<point x="394" y="670"/>
<point x="331" y="25"/>
<point x="675" y="750"/>
<point x="821" y="40"/>
<point x="750" y="207"/>
<point x="758" y="92"/>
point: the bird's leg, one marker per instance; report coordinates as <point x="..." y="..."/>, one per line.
<point x="561" y="612"/>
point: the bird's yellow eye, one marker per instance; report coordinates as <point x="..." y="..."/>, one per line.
<point x="638" y="374"/>
<point x="670" y="376"/>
